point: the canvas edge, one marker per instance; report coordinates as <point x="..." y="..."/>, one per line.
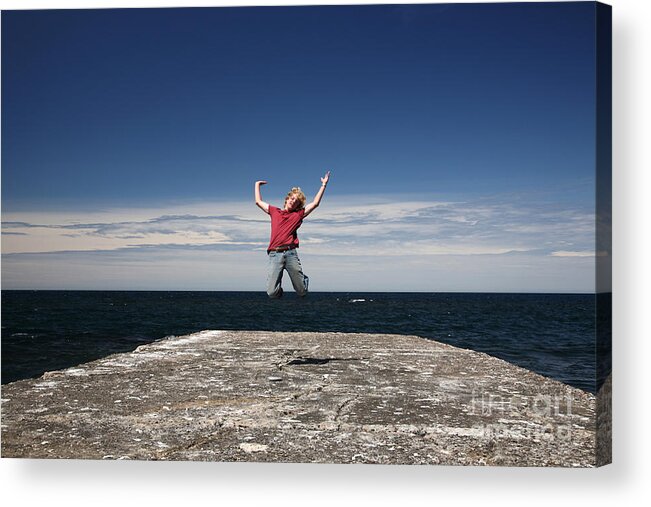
<point x="603" y="282"/>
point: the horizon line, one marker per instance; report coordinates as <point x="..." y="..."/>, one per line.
<point x="317" y="292"/>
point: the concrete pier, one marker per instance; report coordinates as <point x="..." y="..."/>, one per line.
<point x="300" y="397"/>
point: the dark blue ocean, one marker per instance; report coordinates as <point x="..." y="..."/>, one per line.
<point x="551" y="334"/>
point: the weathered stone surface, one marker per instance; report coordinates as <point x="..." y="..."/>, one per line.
<point x="300" y="397"/>
<point x="604" y="438"/>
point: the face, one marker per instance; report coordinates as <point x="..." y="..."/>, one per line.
<point x="292" y="203"/>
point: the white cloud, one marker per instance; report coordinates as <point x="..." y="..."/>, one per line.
<point x="179" y="242"/>
<point x="191" y="225"/>
<point x="565" y="253"/>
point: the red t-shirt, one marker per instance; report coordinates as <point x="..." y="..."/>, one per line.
<point x="284" y="225"/>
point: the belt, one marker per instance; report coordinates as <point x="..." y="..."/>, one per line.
<point x="282" y="248"/>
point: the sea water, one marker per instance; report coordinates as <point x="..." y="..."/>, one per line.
<point x="551" y="334"/>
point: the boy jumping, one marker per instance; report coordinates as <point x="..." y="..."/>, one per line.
<point x="284" y="240"/>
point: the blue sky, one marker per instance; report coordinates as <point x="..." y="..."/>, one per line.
<point x="460" y="140"/>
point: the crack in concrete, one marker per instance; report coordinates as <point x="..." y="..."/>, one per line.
<point x="341" y="407"/>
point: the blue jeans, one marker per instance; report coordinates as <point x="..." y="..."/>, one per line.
<point x="285" y="260"/>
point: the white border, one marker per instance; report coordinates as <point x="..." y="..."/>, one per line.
<point x="67" y="483"/>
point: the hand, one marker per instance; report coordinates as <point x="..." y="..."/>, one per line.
<point x="261" y="182"/>
<point x="324" y="180"/>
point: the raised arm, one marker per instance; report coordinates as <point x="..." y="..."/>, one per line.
<point x="317" y="200"/>
<point x="258" y="198"/>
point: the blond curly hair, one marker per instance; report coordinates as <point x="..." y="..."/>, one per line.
<point x="299" y="195"/>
